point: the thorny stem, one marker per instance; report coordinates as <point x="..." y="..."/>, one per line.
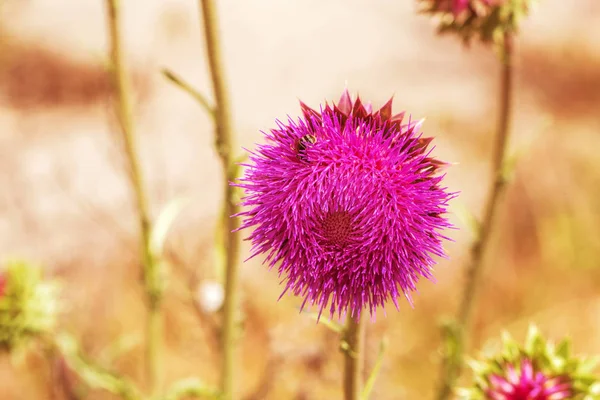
<point x="230" y="241"/>
<point x="452" y="365"/>
<point x="354" y="338"/>
<point x="150" y="263"/>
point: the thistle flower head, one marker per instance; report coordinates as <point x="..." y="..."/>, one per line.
<point x="537" y="371"/>
<point x="348" y="203"/>
<point x="28" y="305"/>
<point x="490" y="20"/>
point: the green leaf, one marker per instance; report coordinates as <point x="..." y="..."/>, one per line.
<point x="186" y="87"/>
<point x="191" y="387"/>
<point x="376" y="368"/>
<point x="466" y="218"/>
<point x="333" y="326"/>
<point x="163" y="224"/>
<point x="118" y="347"/>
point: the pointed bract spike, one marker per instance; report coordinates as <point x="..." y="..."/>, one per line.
<point x="437" y="164"/>
<point x="345" y="103"/>
<point x="424" y="142"/>
<point x="306" y="108"/>
<point x="369" y="108"/>
<point x="416" y="126"/>
<point x="343" y="117"/>
<point x="328" y="110"/>
<point x="506" y="338"/>
<point x="358" y="110"/>
<point x="398" y="117"/>
<point x="308" y="112"/>
<point x="385" y="112"/>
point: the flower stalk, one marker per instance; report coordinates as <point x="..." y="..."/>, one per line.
<point x="229" y="240"/>
<point x="353" y="344"/>
<point x="150" y="262"/>
<point x="453" y="364"/>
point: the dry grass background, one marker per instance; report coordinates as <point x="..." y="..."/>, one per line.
<point x="65" y="200"/>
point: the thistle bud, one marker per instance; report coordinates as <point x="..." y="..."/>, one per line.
<point x="28" y="305"/>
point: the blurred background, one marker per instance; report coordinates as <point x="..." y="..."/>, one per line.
<point x="65" y="200"/>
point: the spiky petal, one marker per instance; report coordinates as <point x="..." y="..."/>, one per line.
<point x="347" y="203"/>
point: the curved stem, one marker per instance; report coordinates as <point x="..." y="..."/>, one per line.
<point x="150" y="265"/>
<point x="229" y="240"/>
<point x="354" y="338"/>
<point x="67" y="350"/>
<point x="453" y="363"/>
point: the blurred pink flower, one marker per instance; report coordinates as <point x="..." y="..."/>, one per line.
<point x="489" y="20"/>
<point x="537" y="370"/>
<point x="525" y="383"/>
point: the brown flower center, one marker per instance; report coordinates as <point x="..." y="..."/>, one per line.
<point x="337" y="227"/>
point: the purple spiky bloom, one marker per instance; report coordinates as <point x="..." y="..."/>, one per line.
<point x="348" y="203"/>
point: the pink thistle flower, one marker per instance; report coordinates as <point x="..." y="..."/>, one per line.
<point x="525" y="383"/>
<point x="539" y="370"/>
<point x="348" y="204"/>
<point x="486" y="19"/>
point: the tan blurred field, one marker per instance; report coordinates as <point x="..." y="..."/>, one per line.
<point x="66" y="202"/>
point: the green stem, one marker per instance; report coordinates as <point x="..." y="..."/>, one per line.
<point x="230" y="241"/>
<point x="199" y="97"/>
<point x="354" y="338"/>
<point x="150" y="264"/>
<point x="453" y="364"/>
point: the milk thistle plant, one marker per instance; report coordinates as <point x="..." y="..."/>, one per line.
<point x="349" y="205"/>
<point x="537" y="370"/>
<point x="492" y="22"/>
